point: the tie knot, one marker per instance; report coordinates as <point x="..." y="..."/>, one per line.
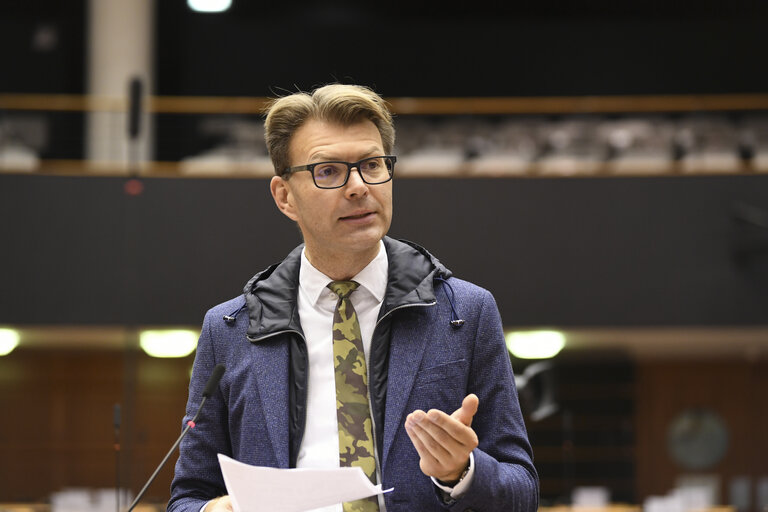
<point x="343" y="288"/>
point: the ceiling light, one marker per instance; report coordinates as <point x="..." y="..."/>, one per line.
<point x="209" y="5"/>
<point x="9" y="340"/>
<point x="535" y="344"/>
<point x="168" y="343"/>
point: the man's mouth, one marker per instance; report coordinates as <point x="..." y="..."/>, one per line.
<point x="357" y="216"/>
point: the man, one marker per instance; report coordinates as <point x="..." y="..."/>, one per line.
<point x="356" y="349"/>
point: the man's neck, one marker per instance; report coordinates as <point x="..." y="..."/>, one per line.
<point x="344" y="266"/>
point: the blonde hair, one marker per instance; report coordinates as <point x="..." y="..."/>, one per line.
<point x="335" y="103"/>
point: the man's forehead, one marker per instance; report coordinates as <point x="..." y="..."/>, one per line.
<point x="320" y="138"/>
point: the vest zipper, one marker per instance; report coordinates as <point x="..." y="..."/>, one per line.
<point x="255" y="340"/>
<point x="422" y="304"/>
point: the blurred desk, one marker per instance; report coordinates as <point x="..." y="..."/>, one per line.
<point x="609" y="508"/>
<point x="624" y="508"/>
<point x="44" y="507"/>
<point x="40" y="507"/>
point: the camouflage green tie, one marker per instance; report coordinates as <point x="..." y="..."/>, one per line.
<point x="352" y="410"/>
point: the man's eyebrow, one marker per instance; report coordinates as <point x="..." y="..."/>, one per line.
<point x="374" y="151"/>
<point x="326" y="157"/>
<point x="322" y="157"/>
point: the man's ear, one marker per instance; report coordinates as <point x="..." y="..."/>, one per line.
<point x="281" y="193"/>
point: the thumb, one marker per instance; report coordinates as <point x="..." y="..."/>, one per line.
<point x="468" y="409"/>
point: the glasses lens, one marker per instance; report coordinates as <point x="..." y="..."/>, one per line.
<point x="377" y="169"/>
<point x="330" y="174"/>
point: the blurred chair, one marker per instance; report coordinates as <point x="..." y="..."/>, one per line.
<point x="593" y="497"/>
<point x="507" y="148"/>
<point x="22" y="138"/>
<point x="241" y="151"/>
<point x="753" y="141"/>
<point x="707" y="144"/>
<point x="573" y="147"/>
<point x="637" y="145"/>
<point x="434" y="148"/>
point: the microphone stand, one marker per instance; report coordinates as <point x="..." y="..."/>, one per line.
<point x="190" y="426"/>
<point x="116" y="424"/>
<point x="210" y="387"/>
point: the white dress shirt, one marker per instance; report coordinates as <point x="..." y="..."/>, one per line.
<point x="316" y="303"/>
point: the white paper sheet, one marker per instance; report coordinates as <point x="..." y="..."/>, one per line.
<point x="256" y="488"/>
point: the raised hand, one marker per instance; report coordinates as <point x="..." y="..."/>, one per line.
<point x="444" y="442"/>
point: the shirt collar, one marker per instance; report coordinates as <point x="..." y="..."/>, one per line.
<point x="373" y="277"/>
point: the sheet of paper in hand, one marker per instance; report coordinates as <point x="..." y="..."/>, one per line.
<point x="256" y="488"/>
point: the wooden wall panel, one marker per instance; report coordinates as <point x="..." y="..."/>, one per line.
<point x="57" y="421"/>
<point x="737" y="390"/>
<point x="58" y="431"/>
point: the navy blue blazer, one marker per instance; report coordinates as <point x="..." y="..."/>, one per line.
<point x="431" y="365"/>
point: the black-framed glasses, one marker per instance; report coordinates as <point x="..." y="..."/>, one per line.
<point x="373" y="170"/>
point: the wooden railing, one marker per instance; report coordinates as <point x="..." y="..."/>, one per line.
<point x="405" y="105"/>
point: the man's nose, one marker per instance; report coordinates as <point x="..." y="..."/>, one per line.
<point x="355" y="184"/>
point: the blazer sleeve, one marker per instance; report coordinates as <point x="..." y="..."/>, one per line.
<point x="197" y="478"/>
<point x="505" y="477"/>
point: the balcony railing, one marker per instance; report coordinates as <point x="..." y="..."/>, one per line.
<point x="437" y="137"/>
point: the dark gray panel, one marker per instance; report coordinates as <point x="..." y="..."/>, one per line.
<point x="602" y="251"/>
<point x="569" y="252"/>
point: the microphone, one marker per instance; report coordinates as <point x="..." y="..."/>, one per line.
<point x="134" y="107"/>
<point x="213" y="381"/>
<point x="210" y="387"/>
<point x="116" y="418"/>
<point x="135" y="92"/>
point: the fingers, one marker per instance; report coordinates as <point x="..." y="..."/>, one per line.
<point x="448" y="428"/>
<point x="434" y="459"/>
<point x="221" y="504"/>
<point x="428" y="460"/>
<point x="442" y="437"/>
<point x="443" y="442"/>
<point x="441" y="455"/>
<point x="468" y="409"/>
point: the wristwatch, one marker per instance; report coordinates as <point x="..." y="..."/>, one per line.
<point x="456" y="482"/>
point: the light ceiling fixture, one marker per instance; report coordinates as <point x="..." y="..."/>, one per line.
<point x="535" y="344"/>
<point x="9" y="340"/>
<point x="168" y="342"/>
<point x="209" y="5"/>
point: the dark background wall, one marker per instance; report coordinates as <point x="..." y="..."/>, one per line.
<point x="486" y="48"/>
<point x="412" y="48"/>
<point x="43" y="46"/>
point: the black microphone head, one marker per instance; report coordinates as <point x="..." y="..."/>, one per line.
<point x="213" y="380"/>
<point x="135" y="87"/>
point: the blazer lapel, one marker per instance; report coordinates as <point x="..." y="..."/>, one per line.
<point x="406" y="352"/>
<point x="271" y="368"/>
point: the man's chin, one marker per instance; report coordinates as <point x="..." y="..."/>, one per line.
<point x="362" y="241"/>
